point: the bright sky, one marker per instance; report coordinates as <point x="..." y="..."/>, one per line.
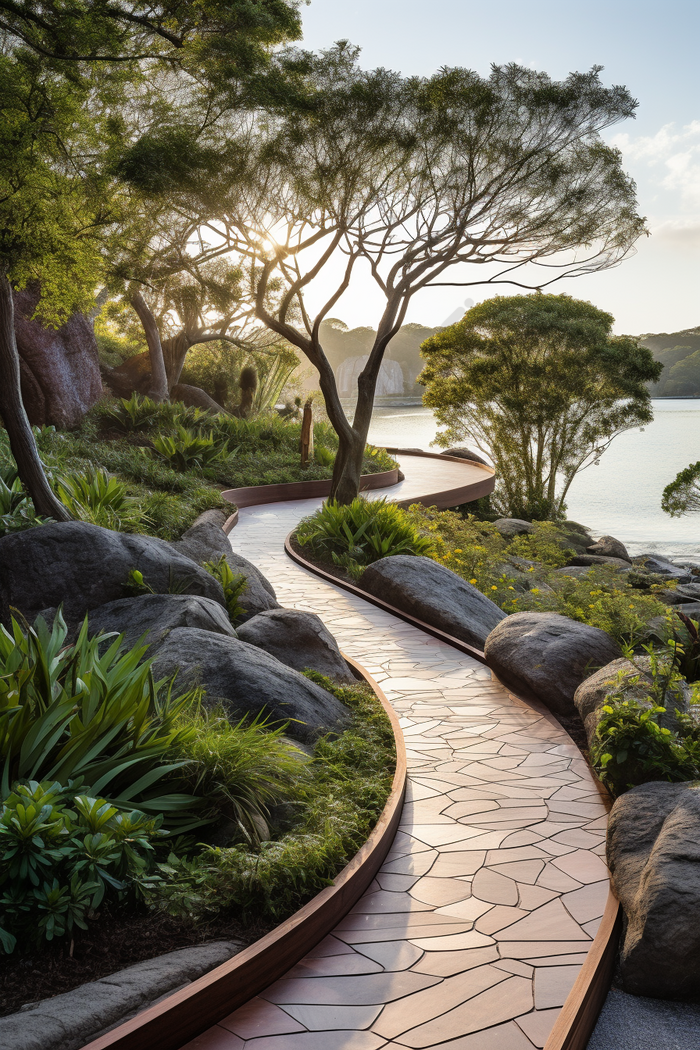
<point x="650" y="47"/>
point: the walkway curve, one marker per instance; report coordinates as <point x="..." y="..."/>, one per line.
<point x="475" y="928"/>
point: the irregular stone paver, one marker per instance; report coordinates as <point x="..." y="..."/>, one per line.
<point x="474" y="930"/>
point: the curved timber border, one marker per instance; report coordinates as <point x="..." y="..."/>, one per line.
<point x="184" y="1014"/>
<point x="580" y="1011"/>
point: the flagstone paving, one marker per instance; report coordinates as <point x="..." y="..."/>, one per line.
<point x="474" y="930"/>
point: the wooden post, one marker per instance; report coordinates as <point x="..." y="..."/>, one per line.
<point x="307" y="435"/>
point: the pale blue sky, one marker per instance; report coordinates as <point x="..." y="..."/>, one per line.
<point x="652" y="48"/>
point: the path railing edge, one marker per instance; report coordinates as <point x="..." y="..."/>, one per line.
<point x="582" y="1007"/>
<point x="187" y="1013"/>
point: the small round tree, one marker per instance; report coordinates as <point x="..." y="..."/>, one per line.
<point x="682" y="495"/>
<point x="540" y="385"/>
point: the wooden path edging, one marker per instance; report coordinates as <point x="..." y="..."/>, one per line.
<point x="186" y="1013"/>
<point x="575" y="1024"/>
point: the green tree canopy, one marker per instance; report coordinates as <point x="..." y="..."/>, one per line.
<point x="452" y="179"/>
<point x="682" y="496"/>
<point x="540" y="385"/>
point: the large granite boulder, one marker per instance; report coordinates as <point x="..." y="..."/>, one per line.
<point x="82" y="566"/>
<point x="634" y="682"/>
<point x="299" y="639"/>
<point x="206" y="541"/>
<point x="59" y="367"/>
<point x="548" y="655"/>
<point x="434" y="594"/>
<point x="246" y="680"/>
<point x="153" y="616"/>
<point x="609" y="547"/>
<point x="653" y="853"/>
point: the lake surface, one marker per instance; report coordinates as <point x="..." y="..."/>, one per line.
<point x="622" y="496"/>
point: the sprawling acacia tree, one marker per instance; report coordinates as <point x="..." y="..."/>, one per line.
<point x="412" y="179"/>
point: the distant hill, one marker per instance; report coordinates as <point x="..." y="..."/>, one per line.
<point x="343" y="345"/>
<point x="679" y="352"/>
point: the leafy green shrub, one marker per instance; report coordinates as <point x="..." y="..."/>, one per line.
<point x="233" y="585"/>
<point x="92" y="713"/>
<point x="16" y="508"/>
<point x="100" y="499"/>
<point x="134" y="413"/>
<point x="187" y="449"/>
<point x="61" y="853"/>
<point x="356" y="534"/>
<point x="346" y="787"/>
<point x="544" y="544"/>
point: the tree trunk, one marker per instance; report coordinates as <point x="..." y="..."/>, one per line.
<point x="22" y="443"/>
<point x="159" y="389"/>
<point x="347" y="471"/>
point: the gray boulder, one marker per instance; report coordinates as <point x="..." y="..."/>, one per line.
<point x="602" y="560"/>
<point x="689" y="590"/>
<point x="70" y="1020"/>
<point x="653" y="852"/>
<point x="246" y="680"/>
<point x="548" y="655"/>
<point x="577" y="572"/>
<point x="663" y="567"/>
<point x="465" y="453"/>
<point x="691" y="609"/>
<point x="155" y="615"/>
<point x="299" y="639"/>
<point x="83" y="566"/>
<point x="434" y="594"/>
<point x="206" y="541"/>
<point x="634" y="682"/>
<point x="511" y="527"/>
<point x="609" y="547"/>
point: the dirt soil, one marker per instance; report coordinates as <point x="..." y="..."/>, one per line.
<point x="108" y="945"/>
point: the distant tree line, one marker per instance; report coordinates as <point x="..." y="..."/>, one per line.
<point x="679" y="353"/>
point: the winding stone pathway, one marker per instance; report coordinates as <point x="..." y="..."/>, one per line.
<point x="475" y="928"/>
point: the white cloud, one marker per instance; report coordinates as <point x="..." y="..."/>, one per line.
<point x="677" y="151"/>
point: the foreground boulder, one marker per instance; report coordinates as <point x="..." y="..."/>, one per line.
<point x="434" y="594"/>
<point x="206" y="541"/>
<point x="248" y="681"/>
<point x="72" y="1019"/>
<point x="609" y="547"/>
<point x="634" y="682"/>
<point x="653" y="853"/>
<point x="155" y="615"/>
<point x="548" y="655"/>
<point x="299" y="639"/>
<point x="82" y="566"/>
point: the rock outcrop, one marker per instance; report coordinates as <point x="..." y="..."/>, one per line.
<point x="59" y="367"/>
<point x="548" y="655"/>
<point x="299" y="639"/>
<point x="434" y="594"/>
<point x="653" y="853"/>
<point x="246" y="680"/>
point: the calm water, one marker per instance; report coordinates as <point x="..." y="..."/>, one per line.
<point x="622" y="496"/>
